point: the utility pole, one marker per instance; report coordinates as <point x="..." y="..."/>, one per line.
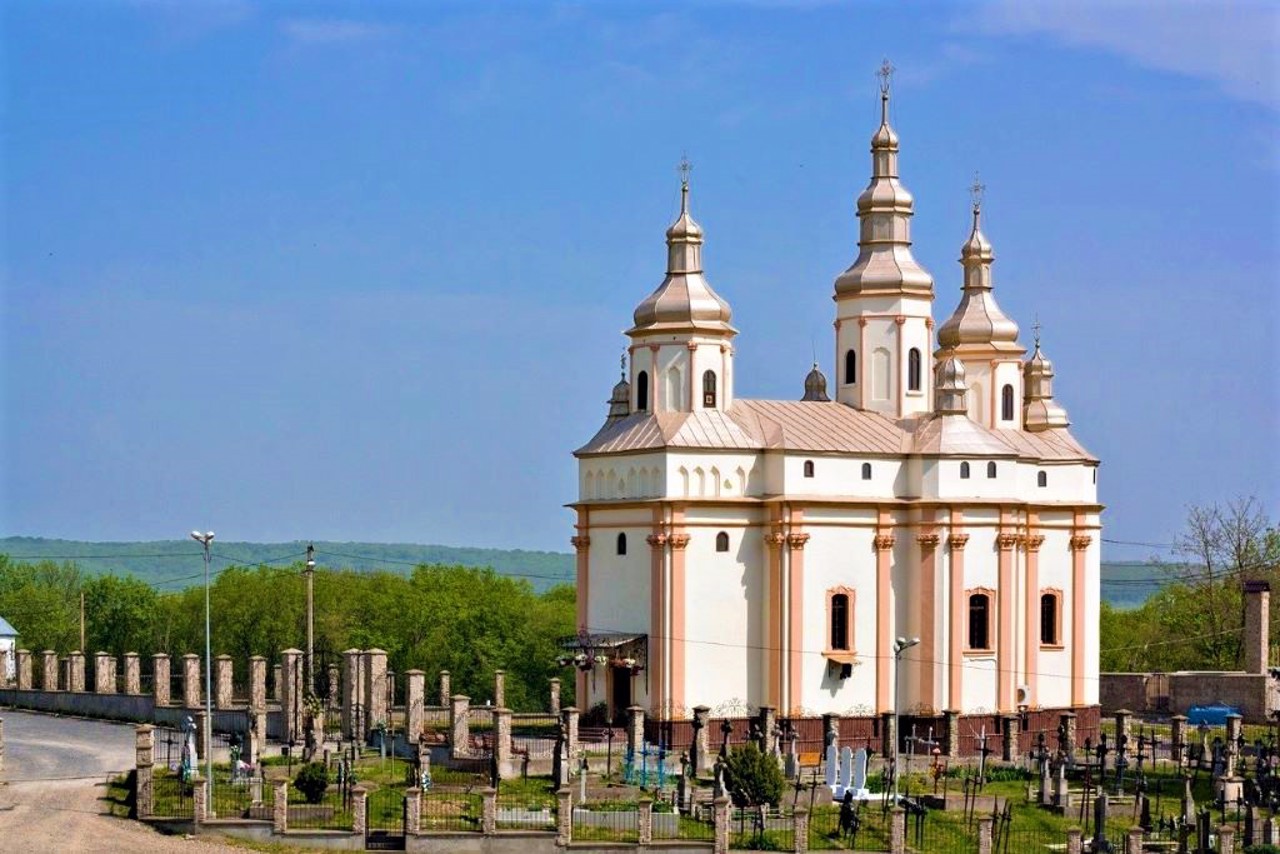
<point x="204" y="540"/>
<point x="310" y="572"/>
<point x="82" y="649"/>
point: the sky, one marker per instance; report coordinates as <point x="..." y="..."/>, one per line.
<point x="360" y="271"/>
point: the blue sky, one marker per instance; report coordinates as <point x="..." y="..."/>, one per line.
<point x="359" y="271"/>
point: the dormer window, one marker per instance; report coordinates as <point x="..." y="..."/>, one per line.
<point x="642" y="391"/>
<point x="913" y="370"/>
<point x="709" y="390"/>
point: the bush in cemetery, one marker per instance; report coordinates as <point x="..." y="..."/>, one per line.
<point x="753" y="778"/>
<point x="311" y="781"/>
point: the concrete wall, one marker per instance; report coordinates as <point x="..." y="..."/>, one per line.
<point x="1125" y="691"/>
<point x="1255" y="694"/>
<point x="120" y="707"/>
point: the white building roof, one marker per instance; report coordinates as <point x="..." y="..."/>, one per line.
<point x="6" y="629"/>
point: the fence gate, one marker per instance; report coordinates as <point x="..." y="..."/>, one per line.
<point x="384" y="819"/>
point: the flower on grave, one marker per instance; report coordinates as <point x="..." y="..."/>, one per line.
<point x="602" y="659"/>
<point x="628" y="662"/>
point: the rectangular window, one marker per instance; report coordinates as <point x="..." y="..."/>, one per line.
<point x="980" y="621"/>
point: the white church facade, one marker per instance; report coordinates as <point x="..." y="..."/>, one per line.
<point x="737" y="553"/>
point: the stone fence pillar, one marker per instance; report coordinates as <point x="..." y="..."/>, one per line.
<point x="569" y="717"/>
<point x="22" y="665"/>
<point x="1012" y="729"/>
<point x="191" y="681"/>
<point x="144" y="751"/>
<point x="888" y="733"/>
<point x="445" y="694"/>
<point x="459" y="726"/>
<point x="280" y="807"/>
<point x="1133" y="841"/>
<point x="701" y="748"/>
<point x="49" y="670"/>
<point x="291" y="694"/>
<point x="200" y="799"/>
<point x="258" y="683"/>
<point x="502" y="743"/>
<point x="353" y="716"/>
<point x="160" y="678"/>
<point x="359" y="811"/>
<point x="1067" y="722"/>
<point x="952" y="747"/>
<point x="222" y="676"/>
<point x="1235" y="729"/>
<point x="1075" y="840"/>
<point x="412" y="811"/>
<point x="1226" y="839"/>
<point x="376" y="687"/>
<point x="554" y="698"/>
<point x="564" y="817"/>
<point x="644" y="821"/>
<point x="1124" y="726"/>
<point x="984" y="834"/>
<point x="800" y="829"/>
<point x="720" y="816"/>
<point x="898" y="832"/>
<point x="132" y="673"/>
<point x="489" y="811"/>
<point x="277" y="683"/>
<point x="104" y="677"/>
<point x="4" y="668"/>
<point x="415" y="683"/>
<point x="75" y="671"/>
<point x="500" y="689"/>
<point x="635" y="729"/>
<point x="1178" y="738"/>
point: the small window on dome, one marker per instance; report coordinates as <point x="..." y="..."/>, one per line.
<point x="866" y="471"/>
<point x="722" y="541"/>
<point x="808" y="468"/>
<point x="991" y="469"/>
<point x="642" y="391"/>
<point x="964" y="471"/>
<point x="709" y="390"/>
<point x="913" y="370"/>
<point x="622" y="544"/>
<point x="850" y="367"/>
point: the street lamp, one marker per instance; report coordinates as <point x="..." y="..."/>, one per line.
<point x="205" y="540"/>
<point x="310" y="572"/>
<point x="900" y="646"/>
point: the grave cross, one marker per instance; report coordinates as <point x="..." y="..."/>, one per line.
<point x="726" y="728"/>
<point x="983" y="751"/>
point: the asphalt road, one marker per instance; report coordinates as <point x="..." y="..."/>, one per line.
<point x="53" y="785"/>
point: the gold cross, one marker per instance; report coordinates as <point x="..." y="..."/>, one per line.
<point x="685" y="168"/>
<point x="885" y="74"/>
<point x="976" y="189"/>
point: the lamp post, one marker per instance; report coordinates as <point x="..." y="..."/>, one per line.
<point x="900" y="646"/>
<point x="310" y="572"/>
<point x="207" y="735"/>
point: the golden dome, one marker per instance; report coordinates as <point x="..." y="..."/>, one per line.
<point x="978" y="320"/>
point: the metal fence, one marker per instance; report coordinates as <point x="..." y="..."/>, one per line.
<point x="332" y="812"/>
<point x="171" y="797"/>
<point x="769" y="830"/>
<point x="865" y="828"/>
<point x="526" y="812"/>
<point x="606" y="821"/>
<point x="450" y="812"/>
<point x="698" y="826"/>
<point x="240" y="796"/>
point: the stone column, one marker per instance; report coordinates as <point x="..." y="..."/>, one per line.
<point x="888" y="733"/>
<point x="391" y="692"/>
<point x="222" y="682"/>
<point x="22" y="663"/>
<point x="564" y="818"/>
<point x="257" y="706"/>
<point x="132" y="674"/>
<point x="445" y="694"/>
<point x="75" y="678"/>
<point x="635" y="729"/>
<point x="277" y="683"/>
<point x="500" y="688"/>
<point x="1124" y="726"/>
<point x="280" y="807"/>
<point x="1075" y="840"/>
<point x="1133" y="841"/>
<point x="49" y="670"/>
<point x="800" y="829"/>
<point x="191" y="681"/>
<point x="569" y="715"/>
<point x="334" y="682"/>
<point x="1234" y="730"/>
<point x="1067" y="720"/>
<point x="644" y="821"/>
<point x="415" y="683"/>
<point x="502" y="743"/>
<point x="412" y="811"/>
<point x="720" y="814"/>
<point x="291" y="694"/>
<point x="1" y="744"/>
<point x="1012" y="729"/>
<point x="554" y="701"/>
<point x="376" y="686"/>
<point x="459" y="726"/>
<point x="1226" y="839"/>
<point x="102" y="681"/>
<point x="951" y="749"/>
<point x="898" y="832"/>
<point x="1178" y="739"/>
<point x="1257" y="626"/>
<point x="200" y="799"/>
<point x="4" y="668"/>
<point x="489" y="812"/>
<point x="144" y="751"/>
<point x="353" y="716"/>
<point x="701" y="758"/>
<point x="984" y="834"/>
<point x="359" y="811"/>
<point x="160" y="678"/>
<point x="767" y="720"/>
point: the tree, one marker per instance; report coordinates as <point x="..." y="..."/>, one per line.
<point x="752" y="777"/>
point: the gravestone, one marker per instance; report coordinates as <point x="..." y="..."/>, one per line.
<point x="831" y="768"/>
<point x="846" y="770"/>
<point x="859" y="783"/>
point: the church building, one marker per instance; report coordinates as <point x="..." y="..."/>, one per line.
<point x="736" y="553"/>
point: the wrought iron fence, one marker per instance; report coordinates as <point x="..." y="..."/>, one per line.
<point x="450" y="812"/>
<point x="529" y="811"/>
<point x="240" y="795"/>
<point x="333" y="810"/>
<point x="171" y="797"/>
<point x="770" y="830"/>
<point x="698" y="826"/>
<point x="606" y="821"/>
<point x="863" y="828"/>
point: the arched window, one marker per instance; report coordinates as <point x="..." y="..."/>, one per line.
<point x="913" y="370"/>
<point x="808" y="468"/>
<point x="622" y="544"/>
<point x="1006" y="403"/>
<point x="866" y="471"/>
<point x="850" y="367"/>
<point x="991" y="469"/>
<point x="979" y="621"/>
<point x="722" y="542"/>
<point x="709" y="390"/>
<point x="1095" y="474"/>
<point x="1049" y="619"/>
<point x="642" y="391"/>
<point x="964" y="471"/>
<point x="840" y="621"/>
<point x="1042" y="478"/>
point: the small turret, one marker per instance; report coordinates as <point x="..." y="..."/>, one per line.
<point x="1040" y="410"/>
<point x="978" y="320"/>
<point x="950" y="391"/>
<point x="620" y="400"/>
<point x="815" y="385"/>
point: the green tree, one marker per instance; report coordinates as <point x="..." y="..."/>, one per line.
<point x="752" y="777"/>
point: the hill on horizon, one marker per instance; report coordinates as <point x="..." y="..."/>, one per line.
<point x="174" y="564"/>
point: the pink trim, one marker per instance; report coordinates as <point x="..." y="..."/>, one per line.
<point x="956" y="544"/>
<point x="928" y="542"/>
<point x="885" y="611"/>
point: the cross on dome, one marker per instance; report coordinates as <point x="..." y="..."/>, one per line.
<point x="684" y="168"/>
<point x="1035" y="328"/>
<point x="886" y="76"/>
<point x="976" y="189"/>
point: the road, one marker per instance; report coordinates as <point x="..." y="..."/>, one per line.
<point x="53" y="786"/>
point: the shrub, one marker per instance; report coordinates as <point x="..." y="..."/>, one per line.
<point x="311" y="781"/>
<point x="752" y="778"/>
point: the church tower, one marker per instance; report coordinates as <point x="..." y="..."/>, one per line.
<point x="681" y="350"/>
<point x="884" y="301"/>
<point x="981" y="336"/>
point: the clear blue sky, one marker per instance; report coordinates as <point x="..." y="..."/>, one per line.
<point x="360" y="271"/>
